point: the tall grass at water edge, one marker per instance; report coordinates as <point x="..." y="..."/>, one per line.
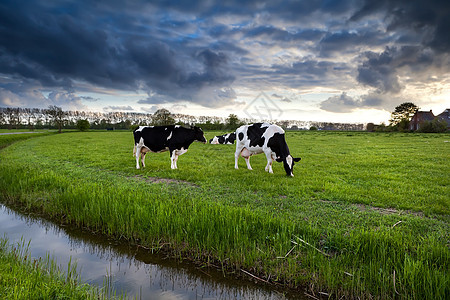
<point x="25" y="277"/>
<point x="366" y="215"/>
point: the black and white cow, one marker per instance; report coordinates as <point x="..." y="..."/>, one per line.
<point x="173" y="138"/>
<point x="228" y="138"/>
<point x="264" y="137"/>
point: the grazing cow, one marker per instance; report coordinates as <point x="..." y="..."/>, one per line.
<point x="264" y="137"/>
<point x="228" y="138"/>
<point x="173" y="138"/>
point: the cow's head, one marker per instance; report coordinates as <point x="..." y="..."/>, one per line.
<point x="289" y="163"/>
<point x="199" y="136"/>
<point x="214" y="140"/>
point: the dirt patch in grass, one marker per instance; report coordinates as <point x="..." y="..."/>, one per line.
<point x="163" y="180"/>
<point x="383" y="211"/>
<point x="389" y="211"/>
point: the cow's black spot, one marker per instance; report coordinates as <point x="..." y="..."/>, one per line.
<point x="278" y="145"/>
<point x="232" y="138"/>
<point x="241" y="136"/>
<point x="255" y="133"/>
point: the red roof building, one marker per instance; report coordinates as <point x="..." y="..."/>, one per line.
<point x="420" y="117"/>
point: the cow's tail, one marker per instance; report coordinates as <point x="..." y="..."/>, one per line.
<point x="134" y="150"/>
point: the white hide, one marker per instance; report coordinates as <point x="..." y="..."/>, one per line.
<point x="215" y="141"/>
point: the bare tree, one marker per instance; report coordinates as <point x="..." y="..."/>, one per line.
<point x="162" y="117"/>
<point x="58" y="116"/>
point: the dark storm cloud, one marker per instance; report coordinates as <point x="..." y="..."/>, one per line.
<point x="429" y="18"/>
<point x="378" y="71"/>
<point x="57" y="46"/>
<point x="214" y="65"/>
<point x="290" y="10"/>
<point x="309" y="73"/>
<point x="381" y="70"/>
<point x="278" y="34"/>
<point x="346" y="41"/>
<point x="201" y="51"/>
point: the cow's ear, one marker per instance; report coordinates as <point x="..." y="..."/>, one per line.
<point x="279" y="159"/>
<point x="297" y="159"/>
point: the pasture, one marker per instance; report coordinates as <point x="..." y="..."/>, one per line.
<point x="366" y="215"/>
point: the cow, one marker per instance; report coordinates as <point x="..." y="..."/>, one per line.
<point x="264" y="137"/>
<point x="228" y="139"/>
<point x="173" y="138"/>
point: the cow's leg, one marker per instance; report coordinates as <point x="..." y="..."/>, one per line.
<point x="247" y="160"/>
<point x="173" y="158"/>
<point x="269" y="162"/>
<point x="175" y="161"/>
<point x="143" y="158"/>
<point x="177" y="154"/>
<point x="137" y="154"/>
<point x="236" y="155"/>
<point x="246" y="155"/>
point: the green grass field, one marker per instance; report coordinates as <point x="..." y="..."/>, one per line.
<point x="6" y="138"/>
<point x="366" y="215"/>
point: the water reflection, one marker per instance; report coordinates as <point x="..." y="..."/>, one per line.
<point x="130" y="269"/>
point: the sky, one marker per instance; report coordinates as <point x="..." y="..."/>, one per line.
<point x="332" y="60"/>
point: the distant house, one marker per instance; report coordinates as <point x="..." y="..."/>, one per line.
<point x="445" y="116"/>
<point x="420" y="117"/>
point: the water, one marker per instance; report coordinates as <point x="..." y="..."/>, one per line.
<point x="129" y="269"/>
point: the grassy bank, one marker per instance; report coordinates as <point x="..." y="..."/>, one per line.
<point x="365" y="215"/>
<point x="7" y="137"/>
<point x="24" y="277"/>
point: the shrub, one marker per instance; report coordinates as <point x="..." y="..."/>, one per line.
<point x="83" y="125"/>
<point x="436" y="126"/>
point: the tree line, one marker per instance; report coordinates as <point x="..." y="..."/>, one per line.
<point x="54" y="117"/>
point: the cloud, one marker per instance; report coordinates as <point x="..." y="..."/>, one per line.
<point x="204" y="52"/>
<point x="344" y="103"/>
<point x="150" y="110"/>
<point x="383" y="71"/>
<point x="281" y="98"/>
<point x="350" y="41"/>
<point x="430" y="19"/>
<point x="59" y="49"/>
<point x="27" y="94"/>
<point x="89" y="98"/>
<point x="379" y="72"/>
<point x="118" y="108"/>
<point x="278" y="34"/>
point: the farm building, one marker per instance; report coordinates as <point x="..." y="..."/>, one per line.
<point x="422" y="116"/>
<point x="445" y="116"/>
